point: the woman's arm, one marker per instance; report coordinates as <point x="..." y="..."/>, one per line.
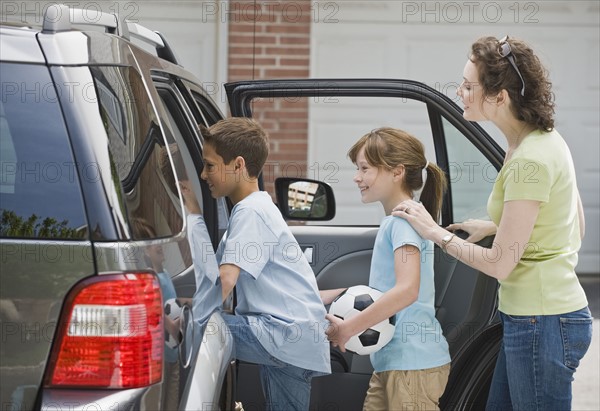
<point x="407" y="269"/>
<point x="510" y="243"/>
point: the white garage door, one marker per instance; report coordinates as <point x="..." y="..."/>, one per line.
<point x="429" y="42"/>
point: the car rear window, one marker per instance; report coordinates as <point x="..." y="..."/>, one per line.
<point x="40" y="195"/>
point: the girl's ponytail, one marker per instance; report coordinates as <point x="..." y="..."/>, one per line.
<point x="432" y="194"/>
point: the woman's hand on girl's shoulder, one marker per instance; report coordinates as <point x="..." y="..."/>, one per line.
<point x="418" y="217"/>
<point x="477" y="229"/>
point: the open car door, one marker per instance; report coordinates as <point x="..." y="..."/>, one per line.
<point x="332" y="115"/>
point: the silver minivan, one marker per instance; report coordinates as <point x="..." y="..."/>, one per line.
<point x="96" y="270"/>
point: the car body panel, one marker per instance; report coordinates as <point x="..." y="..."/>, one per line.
<point x="72" y="48"/>
<point x="19" y="45"/>
<point x="133" y="399"/>
<point x="210" y="365"/>
<point x="35" y="277"/>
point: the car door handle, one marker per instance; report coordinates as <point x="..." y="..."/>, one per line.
<point x="308" y="253"/>
<point x="186" y="330"/>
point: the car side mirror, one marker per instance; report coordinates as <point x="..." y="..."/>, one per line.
<point x="304" y="199"/>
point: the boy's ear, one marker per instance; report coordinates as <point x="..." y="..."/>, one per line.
<point x="239" y="163"/>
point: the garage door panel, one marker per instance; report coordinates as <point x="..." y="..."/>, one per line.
<point x="335" y="128"/>
<point x="354" y="51"/>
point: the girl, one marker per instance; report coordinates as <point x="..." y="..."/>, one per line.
<point x="536" y="214"/>
<point x="411" y="371"/>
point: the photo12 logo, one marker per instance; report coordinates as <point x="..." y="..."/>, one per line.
<point x="469" y="12"/>
<point x="270" y="11"/>
<point x="33" y="12"/>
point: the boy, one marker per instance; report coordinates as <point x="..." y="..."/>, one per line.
<point x="280" y="318"/>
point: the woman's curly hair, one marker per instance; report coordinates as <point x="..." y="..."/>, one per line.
<point x="536" y="107"/>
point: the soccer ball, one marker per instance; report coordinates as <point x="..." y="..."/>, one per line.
<point x="351" y="302"/>
<point x="172" y="310"/>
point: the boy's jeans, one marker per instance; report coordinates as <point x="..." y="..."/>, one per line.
<point x="537" y="359"/>
<point x="285" y="386"/>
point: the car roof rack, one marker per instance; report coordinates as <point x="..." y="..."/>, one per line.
<point x="155" y="38"/>
<point x="59" y="17"/>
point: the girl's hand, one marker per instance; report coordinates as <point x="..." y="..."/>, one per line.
<point x="418" y="217"/>
<point x="477" y="229"/>
<point x="337" y="332"/>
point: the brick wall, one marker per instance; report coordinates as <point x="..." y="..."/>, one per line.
<point x="270" y="40"/>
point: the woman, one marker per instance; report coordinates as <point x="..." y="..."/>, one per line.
<point x="538" y="222"/>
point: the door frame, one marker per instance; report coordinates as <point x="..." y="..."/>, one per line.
<point x="469" y="380"/>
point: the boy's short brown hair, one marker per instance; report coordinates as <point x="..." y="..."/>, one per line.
<point x="239" y="136"/>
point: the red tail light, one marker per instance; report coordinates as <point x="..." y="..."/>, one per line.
<point x="111" y="335"/>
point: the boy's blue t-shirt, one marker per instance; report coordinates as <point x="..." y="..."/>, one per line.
<point x="276" y="290"/>
<point x="418" y="342"/>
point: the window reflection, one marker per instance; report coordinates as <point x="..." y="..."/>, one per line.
<point x="39" y="186"/>
<point x="135" y="143"/>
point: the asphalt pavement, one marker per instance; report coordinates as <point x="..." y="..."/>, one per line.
<point x="586" y="387"/>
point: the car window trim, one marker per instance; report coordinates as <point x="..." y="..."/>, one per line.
<point x="241" y="94"/>
<point x="209" y="112"/>
<point x="142" y="158"/>
<point x="441" y="156"/>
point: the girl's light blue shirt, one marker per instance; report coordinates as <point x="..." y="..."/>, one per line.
<point x="418" y="342"/>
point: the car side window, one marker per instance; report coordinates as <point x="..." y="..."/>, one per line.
<point x="40" y="195"/>
<point x="136" y="146"/>
<point x="472" y="176"/>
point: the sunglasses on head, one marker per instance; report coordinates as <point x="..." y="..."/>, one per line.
<point x="506" y="51"/>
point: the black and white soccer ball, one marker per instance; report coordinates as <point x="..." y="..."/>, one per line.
<point x="172" y="310"/>
<point x="351" y="302"/>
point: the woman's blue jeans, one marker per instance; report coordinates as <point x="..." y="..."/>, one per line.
<point x="285" y="387"/>
<point x="537" y="360"/>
